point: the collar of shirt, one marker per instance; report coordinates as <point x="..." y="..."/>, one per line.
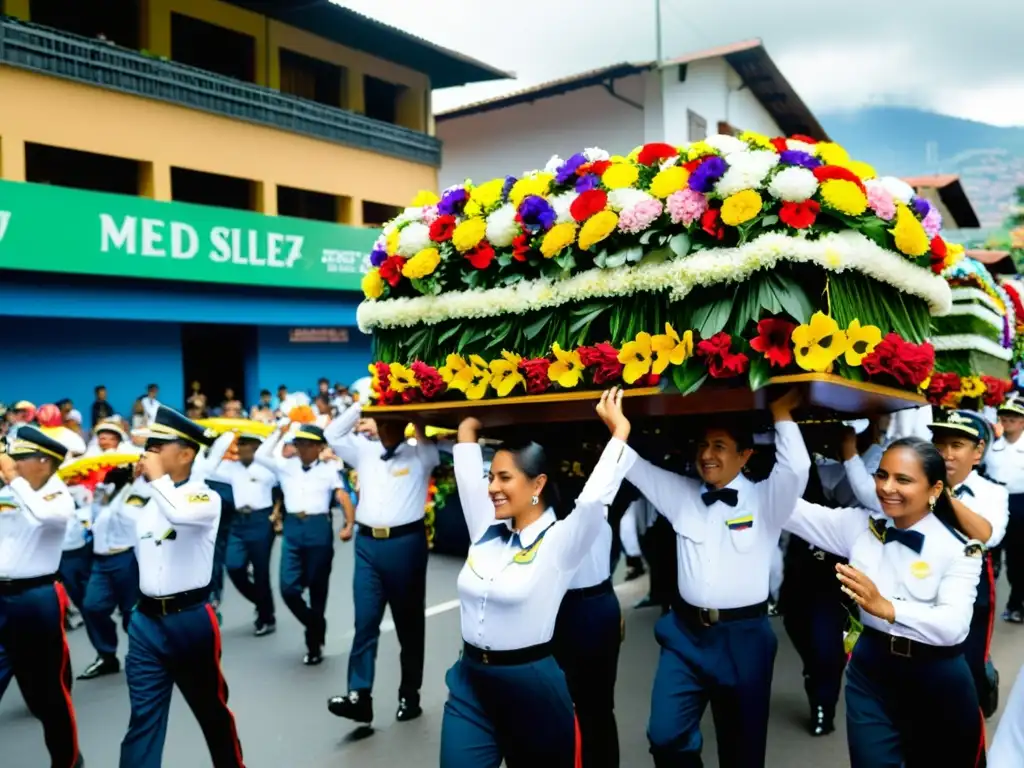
<point x="1002" y="444"/>
<point x="529" y="534"/>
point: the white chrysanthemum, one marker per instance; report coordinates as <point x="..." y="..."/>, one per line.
<point x="727" y="145"/>
<point x="595" y="154"/>
<point x="898" y="188"/>
<point x="502" y="227"/>
<point x="561" y="203"/>
<point x="410" y="214"/>
<point x="793" y="184"/>
<point x="413" y="239"/>
<point x="626" y="198"/>
<point x="747" y="170"/>
<point x="668" y="162"/>
<point x="553" y="164"/>
<point x="799" y="146"/>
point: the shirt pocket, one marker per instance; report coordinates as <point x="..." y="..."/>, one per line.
<point x="742" y="533"/>
<point x="921" y="579"/>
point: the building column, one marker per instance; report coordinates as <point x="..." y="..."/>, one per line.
<point x="350" y="211"/>
<point x="12" y="158"/>
<point x="355" y="94"/>
<point x="155" y="181"/>
<point x="19" y="9"/>
<point x="264" y="197"/>
<point x="155" y="27"/>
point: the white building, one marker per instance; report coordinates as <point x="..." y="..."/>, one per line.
<point x="721" y="90"/>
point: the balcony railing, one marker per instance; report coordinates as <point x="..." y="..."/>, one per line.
<point x="51" y="52"/>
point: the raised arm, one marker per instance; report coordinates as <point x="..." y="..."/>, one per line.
<point x="195" y="507"/>
<point x="671" y="494"/>
<point x="206" y="465"/>
<point x="862" y="483"/>
<point x="426" y="449"/>
<point x="267" y="454"/>
<point x="788" y="480"/>
<point x="834" y="530"/>
<point x="51" y="505"/>
<point x="985" y="516"/>
<point x="471" y="482"/>
<point x="340" y="435"/>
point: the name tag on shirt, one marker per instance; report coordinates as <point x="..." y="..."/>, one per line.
<point x="198" y="498"/>
<point x="400" y="472"/>
<point x="136" y="501"/>
<point x="52" y="496"/>
<point x="740" y="523"/>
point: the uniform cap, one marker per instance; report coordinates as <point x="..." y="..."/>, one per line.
<point x="171" y="426"/>
<point x="33" y="443"/>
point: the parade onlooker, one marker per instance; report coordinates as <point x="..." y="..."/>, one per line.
<point x="101" y="409"/>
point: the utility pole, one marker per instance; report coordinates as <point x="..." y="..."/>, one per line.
<point x="657" y="31"/>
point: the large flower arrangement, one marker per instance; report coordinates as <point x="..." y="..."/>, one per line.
<point x="1014" y="288"/>
<point x="724" y="258"/>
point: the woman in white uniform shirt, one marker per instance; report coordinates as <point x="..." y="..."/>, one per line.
<point x="508" y="699"/>
<point x="910" y="697"/>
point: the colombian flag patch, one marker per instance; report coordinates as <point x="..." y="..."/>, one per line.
<point x="740" y="523"/>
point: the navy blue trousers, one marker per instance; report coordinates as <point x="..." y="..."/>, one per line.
<point x="307" y="555"/>
<point x="522" y="714"/>
<point x="909" y="712"/>
<point x="34" y="651"/>
<point x="75" y="568"/>
<point x="588" y="635"/>
<point x="180" y="649"/>
<point x="250" y="542"/>
<point x="113" y="583"/>
<point x="1013" y="548"/>
<point x="728" y="665"/>
<point x="976" y="646"/>
<point x="815" y="624"/>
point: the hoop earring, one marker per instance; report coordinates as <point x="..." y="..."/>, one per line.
<point x="931" y="504"/>
<point x="534" y="500"/>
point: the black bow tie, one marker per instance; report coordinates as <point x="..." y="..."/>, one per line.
<point x="887" y="534"/>
<point x="728" y="496"/>
<point x="306" y="468"/>
<point x="963" y="489"/>
<point x="389" y="453"/>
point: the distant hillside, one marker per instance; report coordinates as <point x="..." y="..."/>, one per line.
<point x="908" y="142"/>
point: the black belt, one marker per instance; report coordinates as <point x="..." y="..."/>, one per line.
<point x="904" y="648"/>
<point x="507" y="658"/>
<point x="707" y="617"/>
<point x="163" y="606"/>
<point x="10" y="587"/>
<point x="392" y="533"/>
<point x="250" y="510"/>
<point x="597" y="589"/>
<point x="112" y="554"/>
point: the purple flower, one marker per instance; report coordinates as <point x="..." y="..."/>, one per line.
<point x="569" y="167"/>
<point x="536" y="214"/>
<point x="507" y="187"/>
<point x="920" y="206"/>
<point x="378" y="255"/>
<point x="587" y="182"/>
<point x="803" y="159"/>
<point x="452" y="201"/>
<point x="707" y="173"/>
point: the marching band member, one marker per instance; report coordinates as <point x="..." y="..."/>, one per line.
<point x="507" y="696"/>
<point x="173" y="637"/>
<point x="717" y="643"/>
<point x="910" y="697"/>
<point x="35" y="508"/>
<point x="391" y="556"/>
<point x="1005" y="464"/>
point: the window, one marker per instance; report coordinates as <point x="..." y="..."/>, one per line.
<point x="697" y="126"/>
<point x="81" y="170"/>
<point x="188" y="186"/>
<point x="311" y="79"/>
<point x="378" y="214"/>
<point x="215" y="49"/>
<point x="306" y="204"/>
<point x="381" y="99"/>
<point x="113" y="21"/>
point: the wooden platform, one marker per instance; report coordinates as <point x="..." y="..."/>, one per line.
<point x="825" y="396"/>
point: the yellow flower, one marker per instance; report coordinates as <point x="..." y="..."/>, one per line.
<point x="741" y="207"/>
<point x="505" y="375"/>
<point x="558" y="237"/>
<point x="452" y="365"/>
<point x="861" y="341"/>
<point x="637" y="356"/>
<point x="422" y="264"/>
<point x="567" y="370"/>
<point x="910" y="236"/>
<point x="469" y="234"/>
<point x="538" y="184"/>
<point x="632" y="156"/>
<point x="401" y="378"/>
<point x="472" y="379"/>
<point x="925" y="384"/>
<point x="819" y="343"/>
<point x="844" y="196"/>
<point x="473" y="208"/>
<point x="620" y="176"/>
<point x="670" y="180"/>
<point x="597" y="228"/>
<point x="863" y="171"/>
<point x="972" y="386"/>
<point x="392" y="241"/>
<point x="758" y="140"/>
<point x="669" y="348"/>
<point x="373" y="284"/>
<point x="488" y="195"/>
<point x="425" y="197"/>
<point x="699" y="149"/>
<point x="831" y="153"/>
<point x="954" y="252"/>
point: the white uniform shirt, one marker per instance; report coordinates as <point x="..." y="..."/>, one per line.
<point x="512" y="584"/>
<point x="1005" y="463"/>
<point x="932" y="591"/>
<point x="725" y="553"/>
<point x="392" y="492"/>
<point x="596" y="566"/>
<point x="1008" y="743"/>
<point x="309" y="490"/>
<point x="32" y="526"/>
<point x="113" y="525"/>
<point x="252" y="486"/>
<point x="176" y="532"/>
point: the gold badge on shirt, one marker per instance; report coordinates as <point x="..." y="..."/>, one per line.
<point x="400" y="472"/>
<point x="920" y="569"/>
<point x="136" y="501"/>
<point x="8" y="506"/>
<point x="198" y="498"/>
<point x="52" y="496"/>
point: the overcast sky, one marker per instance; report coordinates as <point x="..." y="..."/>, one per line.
<point x="963" y="59"/>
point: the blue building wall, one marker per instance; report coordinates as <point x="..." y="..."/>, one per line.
<point x="300" y="365"/>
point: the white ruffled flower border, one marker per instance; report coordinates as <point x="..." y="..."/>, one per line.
<point x="964" y="293"/>
<point x="836" y="252"/>
<point x="982" y="313"/>
<point x="968" y="342"/>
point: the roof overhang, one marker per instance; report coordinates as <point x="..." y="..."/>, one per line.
<point x="949" y="195"/>
<point x="351" y="29"/>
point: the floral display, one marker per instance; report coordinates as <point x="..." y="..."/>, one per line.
<point x="1014" y="288"/>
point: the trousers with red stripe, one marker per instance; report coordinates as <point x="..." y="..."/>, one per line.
<point x="34" y="651"/>
<point x="180" y="649"/>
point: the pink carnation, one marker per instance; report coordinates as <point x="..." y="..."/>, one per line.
<point x="686" y="206"/>
<point x="881" y="202"/>
<point x="932" y="223"/>
<point x="430" y="214"/>
<point x="640" y="216"/>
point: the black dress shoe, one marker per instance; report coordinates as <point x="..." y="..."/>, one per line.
<point x="634" y="568"/>
<point x="408" y="709"/>
<point x="647" y="602"/>
<point x="822" y="724"/>
<point x="262" y="630"/>
<point x="104" y="665"/>
<point x="313" y="657"/>
<point x="357" y="706"/>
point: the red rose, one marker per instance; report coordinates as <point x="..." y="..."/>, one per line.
<point x="481" y="256"/>
<point x="391" y="270"/>
<point x="536" y="374"/>
<point x="598" y="167"/>
<point x="655" y="152"/>
<point x="799" y="215"/>
<point x="381" y="388"/>
<point x="692" y="165"/>
<point x="722" y="364"/>
<point x="588" y="203"/>
<point x="938" y="247"/>
<point x="773" y="341"/>
<point x="441" y="228"/>
<point x="710" y="222"/>
<point x="941" y="387"/>
<point x="780" y="144"/>
<point x="603" y="359"/>
<point x="825" y="173"/>
<point x="430" y="381"/>
<point x="521" y="247"/>
<point x="909" y="364"/>
<point x="650" y="380"/>
<point x="996" y="390"/>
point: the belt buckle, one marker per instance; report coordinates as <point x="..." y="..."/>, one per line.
<point x="381" y="533"/>
<point x="484" y="658"/>
<point x="300" y="515"/>
<point x="245" y="510"/>
<point x="163" y="604"/>
<point x="896" y="643"/>
<point x="708" y="616"/>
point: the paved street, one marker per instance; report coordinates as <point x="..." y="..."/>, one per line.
<point x="280" y="704"/>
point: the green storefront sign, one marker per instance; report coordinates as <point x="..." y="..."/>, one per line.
<point x="53" y="229"/>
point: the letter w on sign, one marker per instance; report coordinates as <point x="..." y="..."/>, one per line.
<point x="5" y="219"/>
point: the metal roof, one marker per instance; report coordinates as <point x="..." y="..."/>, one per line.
<point x="951" y="194"/>
<point x="352" y="29"/>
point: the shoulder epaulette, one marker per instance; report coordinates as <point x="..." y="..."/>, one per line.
<point x="974" y="548"/>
